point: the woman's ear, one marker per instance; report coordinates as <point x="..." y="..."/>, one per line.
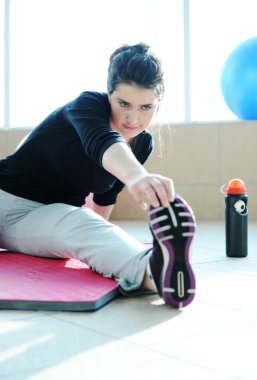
<point x="158" y="107"/>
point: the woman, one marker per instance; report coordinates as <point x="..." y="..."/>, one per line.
<point x="96" y="144"/>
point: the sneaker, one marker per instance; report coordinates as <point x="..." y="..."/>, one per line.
<point x="173" y="230"/>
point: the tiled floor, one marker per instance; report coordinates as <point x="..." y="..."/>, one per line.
<point x="214" y="338"/>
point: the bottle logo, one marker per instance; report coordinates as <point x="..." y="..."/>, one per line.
<point x="239" y="206"/>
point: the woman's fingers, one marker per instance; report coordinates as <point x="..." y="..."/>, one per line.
<point x="155" y="189"/>
<point x="167" y="191"/>
<point x="161" y="191"/>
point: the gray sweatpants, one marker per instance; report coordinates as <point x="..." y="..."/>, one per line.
<point x="63" y="231"/>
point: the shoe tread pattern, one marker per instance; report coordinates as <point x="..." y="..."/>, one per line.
<point x="173" y="229"/>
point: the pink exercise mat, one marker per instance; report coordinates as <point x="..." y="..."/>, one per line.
<point x="35" y="283"/>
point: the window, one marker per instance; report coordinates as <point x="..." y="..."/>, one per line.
<point x="217" y="27"/>
<point x="52" y="50"/>
<point x="59" y="48"/>
<point x="2" y="64"/>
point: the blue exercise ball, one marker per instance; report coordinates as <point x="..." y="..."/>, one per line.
<point x="239" y="80"/>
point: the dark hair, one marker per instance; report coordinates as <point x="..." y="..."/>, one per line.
<point x="135" y="64"/>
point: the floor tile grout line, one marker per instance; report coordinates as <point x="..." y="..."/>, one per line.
<point x="227" y="307"/>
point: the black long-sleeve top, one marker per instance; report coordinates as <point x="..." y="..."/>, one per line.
<point x="61" y="159"/>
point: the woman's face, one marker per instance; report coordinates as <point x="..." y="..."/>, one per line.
<point x="132" y="110"/>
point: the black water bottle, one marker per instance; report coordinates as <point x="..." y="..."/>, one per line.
<point x="236" y="215"/>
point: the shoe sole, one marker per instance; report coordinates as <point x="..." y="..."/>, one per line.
<point x="173" y="228"/>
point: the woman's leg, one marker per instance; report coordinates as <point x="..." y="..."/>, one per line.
<point x="64" y="231"/>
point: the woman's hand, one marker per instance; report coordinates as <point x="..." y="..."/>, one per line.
<point x="154" y="188"/>
<point x="119" y="160"/>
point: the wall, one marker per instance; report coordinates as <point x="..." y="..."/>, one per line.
<point x="199" y="157"/>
